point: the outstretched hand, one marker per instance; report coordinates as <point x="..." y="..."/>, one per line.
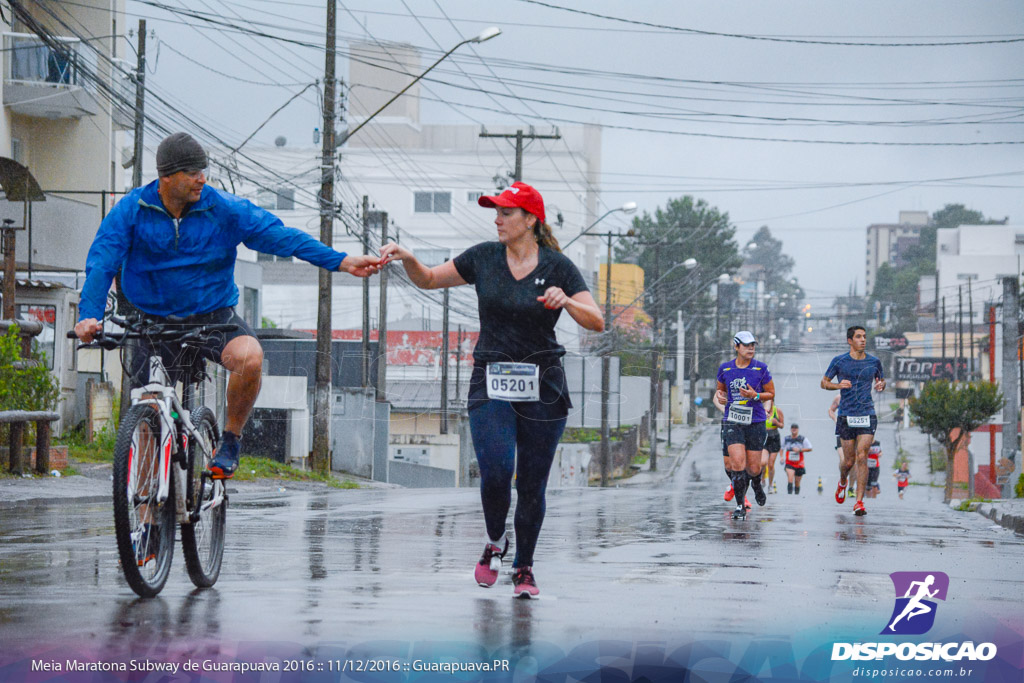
<point x="393" y="252"/>
<point x="361" y="265"/>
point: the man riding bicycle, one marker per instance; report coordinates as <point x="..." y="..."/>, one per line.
<point x="175" y="241"/>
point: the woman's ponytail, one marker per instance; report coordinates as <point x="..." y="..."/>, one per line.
<point x="545" y="237"/>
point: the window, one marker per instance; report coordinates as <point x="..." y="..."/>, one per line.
<point x="472" y="197"/>
<point x="251" y="301"/>
<point x="966" y="276"/>
<point x="285" y="199"/>
<point x="265" y="199"/>
<point x="44" y="342"/>
<point x="432" y="257"/>
<point x="432" y="202"/>
<point x="17" y="151"/>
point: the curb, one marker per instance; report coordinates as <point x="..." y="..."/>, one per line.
<point x="1012" y="521"/>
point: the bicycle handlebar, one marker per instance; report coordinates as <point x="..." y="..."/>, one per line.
<point x="152" y="331"/>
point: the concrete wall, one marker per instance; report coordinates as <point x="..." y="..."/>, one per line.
<point x="412" y="475"/>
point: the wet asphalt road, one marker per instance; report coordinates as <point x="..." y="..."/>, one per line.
<point x="668" y="562"/>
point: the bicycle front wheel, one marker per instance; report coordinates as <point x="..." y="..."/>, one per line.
<point x="202" y="541"/>
<point x="143" y="524"/>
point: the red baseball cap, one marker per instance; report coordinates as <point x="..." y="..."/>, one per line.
<point x="518" y="194"/>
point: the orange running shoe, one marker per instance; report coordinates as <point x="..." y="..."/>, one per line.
<point x="841" y="493"/>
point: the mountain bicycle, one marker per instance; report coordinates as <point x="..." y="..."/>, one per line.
<point x="161" y="460"/>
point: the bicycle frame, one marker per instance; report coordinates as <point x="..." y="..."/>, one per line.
<point x="162" y="396"/>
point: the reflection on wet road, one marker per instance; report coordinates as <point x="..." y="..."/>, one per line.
<point x="368" y="566"/>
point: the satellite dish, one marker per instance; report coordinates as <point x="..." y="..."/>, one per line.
<point x="280" y="141"/>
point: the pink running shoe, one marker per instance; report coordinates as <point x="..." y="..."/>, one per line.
<point x="729" y="493"/>
<point x="524" y="585"/>
<point x="487" y="568"/>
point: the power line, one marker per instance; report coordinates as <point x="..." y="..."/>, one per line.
<point x="774" y="39"/>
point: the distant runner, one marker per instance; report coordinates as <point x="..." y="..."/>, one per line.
<point x="795" y="445"/>
<point x="874" y="462"/>
<point x="772" y="444"/>
<point x="856" y="372"/>
<point x="902" y="478"/>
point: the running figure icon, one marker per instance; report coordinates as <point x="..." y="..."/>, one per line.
<point x="915" y="606"/>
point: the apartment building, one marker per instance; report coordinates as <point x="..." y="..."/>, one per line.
<point x="888" y="242"/>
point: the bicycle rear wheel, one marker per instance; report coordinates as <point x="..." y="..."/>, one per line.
<point x="202" y="541"/>
<point x="143" y="525"/>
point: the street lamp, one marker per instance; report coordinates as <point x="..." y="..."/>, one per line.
<point x="484" y="35"/>
<point x="723" y="279"/>
<point x="627" y="208"/>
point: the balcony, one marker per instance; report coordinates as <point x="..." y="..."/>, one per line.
<point x="41" y="82"/>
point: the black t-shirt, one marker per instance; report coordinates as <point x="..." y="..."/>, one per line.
<point x="514" y="326"/>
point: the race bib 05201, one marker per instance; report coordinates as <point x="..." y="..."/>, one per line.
<point x="513" y="381"/>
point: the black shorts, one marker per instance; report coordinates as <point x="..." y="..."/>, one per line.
<point x="752" y="436"/>
<point x="798" y="471"/>
<point x="839" y="442"/>
<point x="873" y="476"/>
<point x="773" y="443"/>
<point x="176" y="359"/>
<point x="848" y="433"/>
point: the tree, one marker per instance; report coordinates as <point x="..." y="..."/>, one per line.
<point x="949" y="412"/>
<point x="777" y="265"/>
<point x="660" y="244"/>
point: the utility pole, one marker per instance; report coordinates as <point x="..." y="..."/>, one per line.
<point x="655" y="369"/>
<point x="458" y="365"/>
<point x="606" y="369"/>
<point x="970" y="319"/>
<point x="320" y="458"/>
<point x="519" y="136"/>
<point x="943" y="329"/>
<point x="123" y="304"/>
<point x="992" y="380"/>
<point x="1011" y="344"/>
<point x="366" y="295"/>
<point x="382" y="321"/>
<point x="444" y="363"/>
<point x="140" y="101"/>
<point x="960" y="329"/>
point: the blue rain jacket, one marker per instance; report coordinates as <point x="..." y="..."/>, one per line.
<point x="185" y="266"/>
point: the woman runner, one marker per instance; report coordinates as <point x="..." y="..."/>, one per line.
<point x="518" y="399"/>
<point x="744" y="383"/>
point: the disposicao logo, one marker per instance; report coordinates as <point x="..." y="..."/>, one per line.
<point x="916" y="592"/>
<point x="914" y="614"/>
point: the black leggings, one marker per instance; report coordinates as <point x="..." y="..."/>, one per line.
<point x="515" y="438"/>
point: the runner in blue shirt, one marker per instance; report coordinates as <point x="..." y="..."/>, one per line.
<point x="856" y="372"/>
<point x="743" y="384"/>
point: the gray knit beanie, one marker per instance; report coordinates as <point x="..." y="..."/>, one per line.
<point x="179" y="152"/>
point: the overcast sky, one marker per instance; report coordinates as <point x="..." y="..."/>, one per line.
<point x="739" y="103"/>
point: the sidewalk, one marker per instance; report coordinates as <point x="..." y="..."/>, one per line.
<point x="94" y="484"/>
<point x="1006" y="512"/>
<point x="683" y="437"/>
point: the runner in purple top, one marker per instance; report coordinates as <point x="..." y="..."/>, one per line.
<point x="743" y="384"/>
